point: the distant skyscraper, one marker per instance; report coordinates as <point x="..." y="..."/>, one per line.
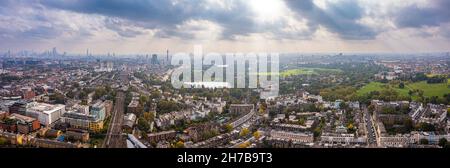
<point x="154" y="59"/>
<point x="54" y="53"/>
<point x="87" y="52"/>
<point x="167" y="57"/>
<point x="109" y="66"/>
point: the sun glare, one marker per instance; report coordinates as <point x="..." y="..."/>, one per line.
<point x="267" y="10"/>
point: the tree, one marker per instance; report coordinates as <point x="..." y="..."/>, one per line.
<point x="155" y="94"/>
<point x="70" y="94"/>
<point x="149" y="116"/>
<point x="228" y="127"/>
<point x="143" y="124"/>
<point x="165" y="106"/>
<point x="3" y="141"/>
<point x="317" y="132"/>
<point x="423" y="141"/>
<point x="442" y="142"/>
<point x="437" y="79"/>
<point x="408" y="124"/>
<point x="301" y="121"/>
<point x="419" y="77"/>
<point x="99" y="92"/>
<point x="143" y="99"/>
<point x="257" y="134"/>
<point x="244" y="132"/>
<point x="420" y="92"/>
<point x="144" y="135"/>
<point x="434" y="100"/>
<point x="83" y="94"/>
<point x="426" y="127"/>
<point x="401" y="85"/>
<point x="410" y="92"/>
<point x="350" y="127"/>
<point x="244" y="145"/>
<point x="58" y="98"/>
<point x="179" y="144"/>
<point x="404" y="109"/>
<point x="388" y="110"/>
<point x="262" y="109"/>
<point x="340" y="92"/>
<point x="447" y="98"/>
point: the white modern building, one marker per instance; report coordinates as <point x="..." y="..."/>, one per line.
<point x="45" y="113"/>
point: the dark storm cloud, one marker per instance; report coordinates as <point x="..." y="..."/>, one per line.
<point x="158" y="11"/>
<point x="128" y="18"/>
<point x="120" y="27"/>
<point x="235" y="19"/>
<point x="340" y="18"/>
<point x="165" y="14"/>
<point x="434" y="15"/>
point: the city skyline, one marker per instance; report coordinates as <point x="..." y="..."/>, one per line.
<point x="225" y="26"/>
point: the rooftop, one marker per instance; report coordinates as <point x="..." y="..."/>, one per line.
<point x="21" y="117"/>
<point x="81" y="116"/>
<point x="44" y="107"/>
<point x="133" y="103"/>
<point x="161" y="133"/>
<point x="98" y="104"/>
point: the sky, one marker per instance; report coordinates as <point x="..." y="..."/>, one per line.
<point x="146" y="26"/>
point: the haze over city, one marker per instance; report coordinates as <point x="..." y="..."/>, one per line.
<point x="142" y="26"/>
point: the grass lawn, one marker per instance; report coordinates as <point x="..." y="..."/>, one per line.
<point x="372" y="86"/>
<point x="308" y="71"/>
<point x="438" y="89"/>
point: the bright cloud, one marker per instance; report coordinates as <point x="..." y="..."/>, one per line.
<point x="286" y="26"/>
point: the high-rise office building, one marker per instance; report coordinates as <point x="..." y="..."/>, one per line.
<point x="54" y="53"/>
<point x="154" y="59"/>
<point x="109" y="66"/>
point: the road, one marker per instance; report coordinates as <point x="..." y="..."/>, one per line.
<point x="370" y="131"/>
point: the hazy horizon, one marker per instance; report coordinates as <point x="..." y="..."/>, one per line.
<point x="204" y="52"/>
